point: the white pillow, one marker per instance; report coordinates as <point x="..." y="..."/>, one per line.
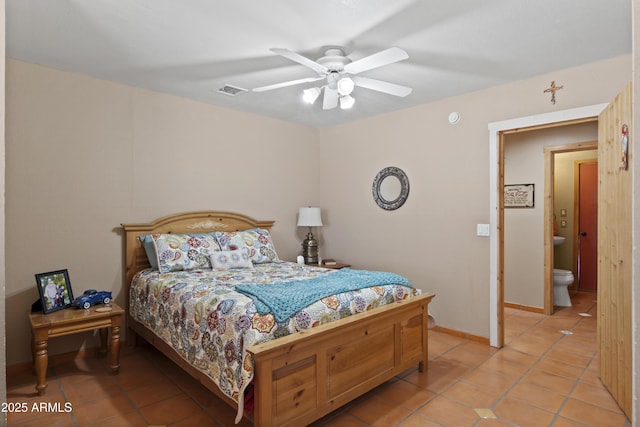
<point x="224" y="260"/>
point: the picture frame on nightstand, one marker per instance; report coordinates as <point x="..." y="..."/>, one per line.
<point x="55" y="290"/>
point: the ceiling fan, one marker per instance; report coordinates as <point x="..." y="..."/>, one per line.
<point x="340" y="75"/>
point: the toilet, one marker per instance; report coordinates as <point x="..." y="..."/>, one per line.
<point x="561" y="280"/>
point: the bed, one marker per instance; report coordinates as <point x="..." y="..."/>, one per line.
<point x="296" y="376"/>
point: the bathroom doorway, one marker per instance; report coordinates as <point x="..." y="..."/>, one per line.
<point x="531" y="157"/>
<point x="575" y="199"/>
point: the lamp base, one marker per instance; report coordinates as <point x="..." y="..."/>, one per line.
<point x="310" y="249"/>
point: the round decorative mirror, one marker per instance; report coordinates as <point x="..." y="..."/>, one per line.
<point x="390" y="188"/>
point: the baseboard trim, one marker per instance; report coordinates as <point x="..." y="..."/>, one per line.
<point x="524" y="307"/>
<point x="462" y="334"/>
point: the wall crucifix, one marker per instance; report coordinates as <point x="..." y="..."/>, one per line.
<point x="553" y="89"/>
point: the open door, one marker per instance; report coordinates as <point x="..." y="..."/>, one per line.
<point x="615" y="250"/>
<point x="586" y="225"/>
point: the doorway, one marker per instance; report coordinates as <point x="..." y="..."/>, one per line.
<point x="529" y="157"/>
<point x="496" y="213"/>
<point x="565" y="210"/>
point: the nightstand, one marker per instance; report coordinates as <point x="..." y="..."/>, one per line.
<point x="333" y="266"/>
<point x="71" y="321"/>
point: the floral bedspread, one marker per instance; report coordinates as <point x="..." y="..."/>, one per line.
<point x="209" y="324"/>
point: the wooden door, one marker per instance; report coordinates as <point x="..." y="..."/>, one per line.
<point x="587" y="253"/>
<point x="614" y="251"/>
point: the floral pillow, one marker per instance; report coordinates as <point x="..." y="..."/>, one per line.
<point x="224" y="260"/>
<point x="177" y="252"/>
<point x="256" y="242"/>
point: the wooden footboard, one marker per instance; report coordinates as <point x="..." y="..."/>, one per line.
<point x="302" y="377"/>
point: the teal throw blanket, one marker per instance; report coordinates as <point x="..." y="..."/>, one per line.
<point x="284" y="299"/>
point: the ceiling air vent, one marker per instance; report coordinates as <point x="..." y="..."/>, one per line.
<point x="231" y="90"/>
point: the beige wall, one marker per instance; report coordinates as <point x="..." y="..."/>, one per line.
<point x="432" y="238"/>
<point x="524" y="228"/>
<point x="85" y="155"/>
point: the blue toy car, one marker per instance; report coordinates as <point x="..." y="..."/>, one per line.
<point x="91" y="297"/>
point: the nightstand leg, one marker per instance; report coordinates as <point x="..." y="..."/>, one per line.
<point x="115" y="346"/>
<point x="103" y="341"/>
<point x="40" y="361"/>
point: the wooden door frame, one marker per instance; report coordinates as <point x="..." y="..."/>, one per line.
<point x="497" y="130"/>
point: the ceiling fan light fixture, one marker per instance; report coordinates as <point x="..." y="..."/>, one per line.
<point x="345" y="86"/>
<point x="310" y="95"/>
<point x="346" y="102"/>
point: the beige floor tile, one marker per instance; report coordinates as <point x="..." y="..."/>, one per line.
<point x="560" y="368"/>
<point x="595" y="394"/>
<point x="376" y="410"/>
<point x="418" y="420"/>
<point x="537" y="396"/>
<point x="569" y="357"/>
<point x="522" y="414"/>
<point x="490" y="381"/>
<point x="583" y="412"/>
<point x="405" y="394"/>
<point x="471" y="395"/>
<point x="550" y="381"/>
<point x="449" y="413"/>
<point x="505" y="367"/>
<point x="169" y="411"/>
<point x="471" y="353"/>
<point x="565" y="422"/>
<point x="513" y="355"/>
<point x="103" y="408"/>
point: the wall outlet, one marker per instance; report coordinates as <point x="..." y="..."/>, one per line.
<point x="482" y="230"/>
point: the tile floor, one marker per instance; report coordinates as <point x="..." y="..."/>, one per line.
<point x="542" y="377"/>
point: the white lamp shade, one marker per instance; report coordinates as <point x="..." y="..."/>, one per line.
<point x="345" y="86"/>
<point x="347" y="102"/>
<point x="310" y="95"/>
<point x="309" y="217"/>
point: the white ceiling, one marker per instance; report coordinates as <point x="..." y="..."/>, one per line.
<point x="191" y="48"/>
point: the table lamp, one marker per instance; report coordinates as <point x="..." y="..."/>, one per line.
<point x="309" y="217"/>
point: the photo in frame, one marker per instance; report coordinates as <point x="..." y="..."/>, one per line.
<point x="519" y="196"/>
<point x="55" y="290"/>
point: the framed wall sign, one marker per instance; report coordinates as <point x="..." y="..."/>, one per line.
<point x="519" y="195"/>
<point x="55" y="290"/>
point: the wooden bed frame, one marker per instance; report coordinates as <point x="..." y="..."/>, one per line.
<point x="301" y="377"/>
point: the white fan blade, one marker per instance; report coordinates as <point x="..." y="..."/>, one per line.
<point x="385" y="57"/>
<point x="381" y="86"/>
<point x="296" y="57"/>
<point x="289" y="83"/>
<point x="330" y="99"/>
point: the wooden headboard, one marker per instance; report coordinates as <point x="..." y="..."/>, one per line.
<point x="182" y="223"/>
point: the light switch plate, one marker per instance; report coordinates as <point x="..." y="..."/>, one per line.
<point x="482" y="230"/>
